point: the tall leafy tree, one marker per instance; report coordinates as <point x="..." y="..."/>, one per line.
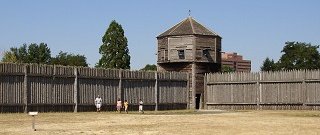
<point x="21" y="53"/>
<point x="299" y="55"/>
<point x="65" y="59"/>
<point x="40" y="54"/>
<point x="33" y="53"/>
<point x="44" y="53"/>
<point x="268" y="65"/>
<point x="148" y="67"/>
<point x="114" y="48"/>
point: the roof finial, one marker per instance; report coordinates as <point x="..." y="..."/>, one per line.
<point x="189" y="12"/>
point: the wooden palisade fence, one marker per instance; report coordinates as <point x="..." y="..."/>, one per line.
<point x="32" y="87"/>
<point x="296" y="89"/>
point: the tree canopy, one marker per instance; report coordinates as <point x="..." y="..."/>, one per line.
<point x="268" y="65"/>
<point x="33" y="53"/>
<point x="114" y="48"/>
<point x="65" y="59"/>
<point x="296" y="55"/>
<point x="9" y="57"/>
<point x="41" y="54"/>
<point x="148" y="67"/>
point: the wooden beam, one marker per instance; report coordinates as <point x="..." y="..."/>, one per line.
<point x="188" y="92"/>
<point x="205" y="93"/>
<point x="25" y="89"/>
<point x="156" y="95"/>
<point x="259" y="95"/>
<point x="311" y="104"/>
<point x="119" y="91"/>
<point x="231" y="103"/>
<point x="254" y="82"/>
<point x="75" y="93"/>
<point x="222" y="83"/>
<point x="193" y="85"/>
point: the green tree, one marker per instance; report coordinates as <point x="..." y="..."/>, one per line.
<point x="21" y="53"/>
<point x="33" y="53"/>
<point x="299" y="55"/>
<point x="148" y="67"/>
<point x="227" y="69"/>
<point x="40" y="54"/>
<point x="114" y="50"/>
<point x="65" y="59"/>
<point x="268" y="65"/>
<point x="9" y="57"/>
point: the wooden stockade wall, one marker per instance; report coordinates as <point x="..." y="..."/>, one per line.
<point x="32" y="87"/>
<point x="297" y="89"/>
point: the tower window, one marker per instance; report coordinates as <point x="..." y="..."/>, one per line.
<point x="181" y="54"/>
<point x="205" y="52"/>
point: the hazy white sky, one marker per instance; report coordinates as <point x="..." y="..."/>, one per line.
<point x="255" y="29"/>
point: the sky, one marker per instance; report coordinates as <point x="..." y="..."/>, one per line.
<point x="255" y="29"/>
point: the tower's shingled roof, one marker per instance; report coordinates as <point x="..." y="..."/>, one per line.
<point x="188" y="26"/>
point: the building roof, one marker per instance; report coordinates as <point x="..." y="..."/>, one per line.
<point x="188" y="26"/>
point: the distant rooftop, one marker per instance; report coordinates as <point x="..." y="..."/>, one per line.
<point x="188" y="26"/>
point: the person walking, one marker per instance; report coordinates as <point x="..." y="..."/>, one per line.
<point x="126" y="105"/>
<point x="141" y="106"/>
<point x="98" y="103"/>
<point x="119" y="105"/>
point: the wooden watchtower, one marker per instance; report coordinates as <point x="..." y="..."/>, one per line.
<point x="190" y="47"/>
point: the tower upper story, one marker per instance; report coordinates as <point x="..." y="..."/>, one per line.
<point x="189" y="41"/>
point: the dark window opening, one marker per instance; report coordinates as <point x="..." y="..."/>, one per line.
<point x="206" y="52"/>
<point x="181" y="54"/>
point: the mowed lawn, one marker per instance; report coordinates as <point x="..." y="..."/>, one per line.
<point x="165" y="122"/>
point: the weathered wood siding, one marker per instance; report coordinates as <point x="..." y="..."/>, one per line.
<point x="11" y="93"/>
<point x="181" y="43"/>
<point x="142" y="86"/>
<point x="193" y="47"/>
<point x="206" y="43"/>
<point x="63" y="91"/>
<point x="297" y="89"/>
<point x="173" y="93"/>
<point x="163" y="49"/>
<point x="31" y="87"/>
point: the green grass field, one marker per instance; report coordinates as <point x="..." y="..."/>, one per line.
<point x="165" y="122"/>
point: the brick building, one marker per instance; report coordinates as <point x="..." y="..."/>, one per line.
<point x="235" y="61"/>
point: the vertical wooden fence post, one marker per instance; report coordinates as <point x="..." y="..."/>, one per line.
<point x="53" y="99"/>
<point x="188" y="91"/>
<point x="119" y="92"/>
<point x="205" y="93"/>
<point x="75" y="93"/>
<point x="156" y="97"/>
<point x="193" y="85"/>
<point x="260" y="90"/>
<point x="231" y="92"/>
<point x="193" y="73"/>
<point x="259" y="96"/>
<point x="25" y="88"/>
<point x="304" y="90"/>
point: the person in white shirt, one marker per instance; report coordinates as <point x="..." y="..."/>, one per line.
<point x="141" y="106"/>
<point x="119" y="105"/>
<point x="98" y="103"/>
